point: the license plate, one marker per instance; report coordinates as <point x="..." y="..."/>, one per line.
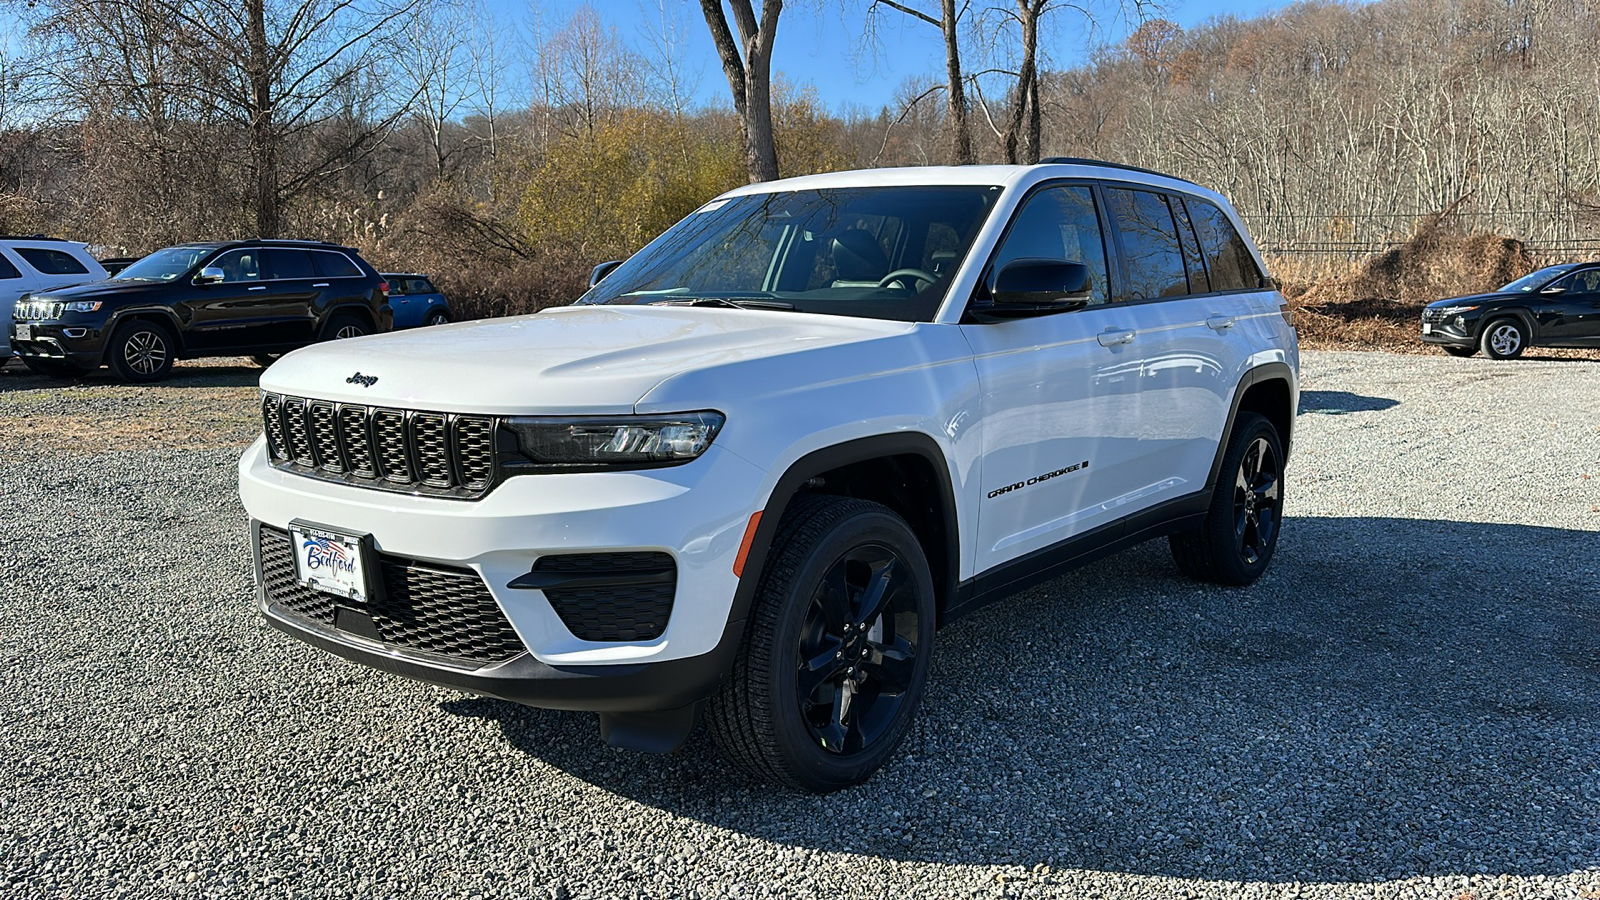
<point x="330" y="562"/>
<point x="1427" y="328"/>
<point x="24" y="332"/>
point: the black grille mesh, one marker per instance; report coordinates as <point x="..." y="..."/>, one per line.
<point x="612" y="613"/>
<point x="425" y="607"/>
<point x="386" y="448"/>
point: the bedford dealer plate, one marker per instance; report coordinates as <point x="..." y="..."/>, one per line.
<point x="330" y="562"/>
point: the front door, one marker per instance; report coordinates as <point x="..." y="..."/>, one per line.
<point x="1571" y="317"/>
<point x="231" y="313"/>
<point x="1059" y="393"/>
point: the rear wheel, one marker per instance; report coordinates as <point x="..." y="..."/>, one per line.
<point x="437" y="317"/>
<point x="343" y="326"/>
<point x="53" y="368"/>
<point x="1240" y="532"/>
<point x="141" y="351"/>
<point x="1504" y="339"/>
<point x="836" y="652"/>
<point x="1460" y="351"/>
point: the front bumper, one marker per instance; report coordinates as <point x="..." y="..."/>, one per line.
<point x="696" y="513"/>
<point x="79" y="343"/>
<point x="1451" y="332"/>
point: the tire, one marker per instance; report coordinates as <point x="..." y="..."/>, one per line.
<point x="1462" y="352"/>
<point x="1235" y="542"/>
<point x="344" y="325"/>
<point x="1504" y="339"/>
<point x="437" y="317"/>
<point x="53" y="368"/>
<point x="759" y="717"/>
<point x="141" y="351"/>
<point x="265" y="359"/>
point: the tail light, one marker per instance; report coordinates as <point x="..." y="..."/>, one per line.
<point x="1287" y="313"/>
<point x="383" y="287"/>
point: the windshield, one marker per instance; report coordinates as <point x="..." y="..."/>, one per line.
<point x="165" y="265"/>
<point x="1532" y="281"/>
<point x="882" y="253"/>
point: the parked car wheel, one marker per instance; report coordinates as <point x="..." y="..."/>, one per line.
<point x="265" y="359"/>
<point x="1504" y="339"/>
<point x="343" y="326"/>
<point x="437" y="317"/>
<point x="141" y="350"/>
<point x="1461" y="351"/>
<point x="1240" y="532"/>
<point x="52" y="368"/>
<point x="836" y="653"/>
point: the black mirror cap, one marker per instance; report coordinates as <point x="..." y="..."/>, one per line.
<point x="1042" y="282"/>
<point x="599" y="272"/>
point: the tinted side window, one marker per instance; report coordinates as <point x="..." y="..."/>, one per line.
<point x="1150" y="246"/>
<point x="334" y="265"/>
<point x="1059" y="223"/>
<point x="424" y="286"/>
<point x="7" y="270"/>
<point x="1191" y="248"/>
<point x="51" y="262"/>
<point x="284" y="264"/>
<point x="1232" y="266"/>
<point x="1586" y="281"/>
<point x="238" y="265"/>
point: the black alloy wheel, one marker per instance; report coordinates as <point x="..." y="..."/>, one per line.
<point x="858" y="649"/>
<point x="836" y="650"/>
<point x="1235" y="542"/>
<point x="141" y="351"/>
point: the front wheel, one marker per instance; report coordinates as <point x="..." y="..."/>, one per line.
<point x="1240" y="532"/>
<point x="1504" y="339"/>
<point x="836" y="652"/>
<point x="141" y="351"/>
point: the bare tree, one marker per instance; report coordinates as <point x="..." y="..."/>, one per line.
<point x="748" y="64"/>
<point x="435" y="69"/>
<point x="948" y="23"/>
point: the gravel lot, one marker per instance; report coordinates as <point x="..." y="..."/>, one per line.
<point x="1408" y="704"/>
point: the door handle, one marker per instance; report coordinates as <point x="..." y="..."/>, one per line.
<point x="260" y="287"/>
<point x="1111" y="337"/>
<point x="1219" y="323"/>
<point x="323" y="284"/>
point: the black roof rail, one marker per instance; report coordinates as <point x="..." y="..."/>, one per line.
<point x="1085" y="161"/>
<point x="30" y="237"/>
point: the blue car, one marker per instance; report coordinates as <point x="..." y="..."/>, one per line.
<point x="416" y="301"/>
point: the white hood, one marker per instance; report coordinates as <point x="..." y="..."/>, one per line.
<point x="576" y="359"/>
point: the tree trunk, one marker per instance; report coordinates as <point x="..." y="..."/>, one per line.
<point x="749" y="77"/>
<point x="956" y="94"/>
<point x="263" y="140"/>
<point x="1027" y="93"/>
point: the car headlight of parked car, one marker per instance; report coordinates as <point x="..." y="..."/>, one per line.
<point x="619" y="441"/>
<point x="1456" y="310"/>
<point x="84" y="306"/>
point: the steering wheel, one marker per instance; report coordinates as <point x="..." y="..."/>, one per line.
<point x="918" y="274"/>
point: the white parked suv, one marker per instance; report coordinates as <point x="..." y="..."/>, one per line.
<point x="38" y="263"/>
<point x="755" y="465"/>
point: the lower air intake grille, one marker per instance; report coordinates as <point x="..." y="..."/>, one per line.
<point x="616" y="612"/>
<point x="423" y="607"/>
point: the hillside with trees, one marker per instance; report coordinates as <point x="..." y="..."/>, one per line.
<point x="508" y="160"/>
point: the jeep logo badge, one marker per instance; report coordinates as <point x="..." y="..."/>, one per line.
<point x="363" y="380"/>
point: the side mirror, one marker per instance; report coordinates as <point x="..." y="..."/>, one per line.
<point x="601" y="271"/>
<point x="1038" y="287"/>
<point x="210" y="275"/>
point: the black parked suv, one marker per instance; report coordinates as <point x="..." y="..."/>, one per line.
<point x="1557" y="306"/>
<point x="257" y="298"/>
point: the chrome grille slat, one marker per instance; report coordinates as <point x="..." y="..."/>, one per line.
<point x="28" y="310"/>
<point x="432" y="453"/>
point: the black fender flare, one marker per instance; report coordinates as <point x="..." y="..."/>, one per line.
<point x="1272" y="371"/>
<point x="163" y="313"/>
<point x="1521" y="314"/>
<point x="810" y="466"/>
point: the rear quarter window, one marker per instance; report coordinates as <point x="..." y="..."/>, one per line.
<point x="1232" y="267"/>
<point x="51" y="262"/>
<point x="7" y="270"/>
<point x="334" y="265"/>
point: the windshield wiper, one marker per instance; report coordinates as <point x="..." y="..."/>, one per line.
<point x="742" y="303"/>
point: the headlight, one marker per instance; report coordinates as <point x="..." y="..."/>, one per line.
<point x="83" y="306"/>
<point x="1456" y="310"/>
<point x="616" y="440"/>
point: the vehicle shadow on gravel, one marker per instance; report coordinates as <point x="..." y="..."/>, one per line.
<point x="1340" y="402"/>
<point x="15" y="377"/>
<point x="1395" y="698"/>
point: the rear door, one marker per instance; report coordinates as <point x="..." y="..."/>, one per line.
<point x="341" y="282"/>
<point x="15" y="280"/>
<point x="295" y="289"/>
<point x="1058" y="391"/>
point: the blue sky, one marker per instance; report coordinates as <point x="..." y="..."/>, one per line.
<point x="818" y="40"/>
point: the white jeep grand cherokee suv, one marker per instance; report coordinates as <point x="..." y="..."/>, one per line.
<point x="757" y="464"/>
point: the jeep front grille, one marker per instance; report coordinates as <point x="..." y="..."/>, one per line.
<point x="422" y="607"/>
<point x="441" y="454"/>
<point x="31" y="310"/>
